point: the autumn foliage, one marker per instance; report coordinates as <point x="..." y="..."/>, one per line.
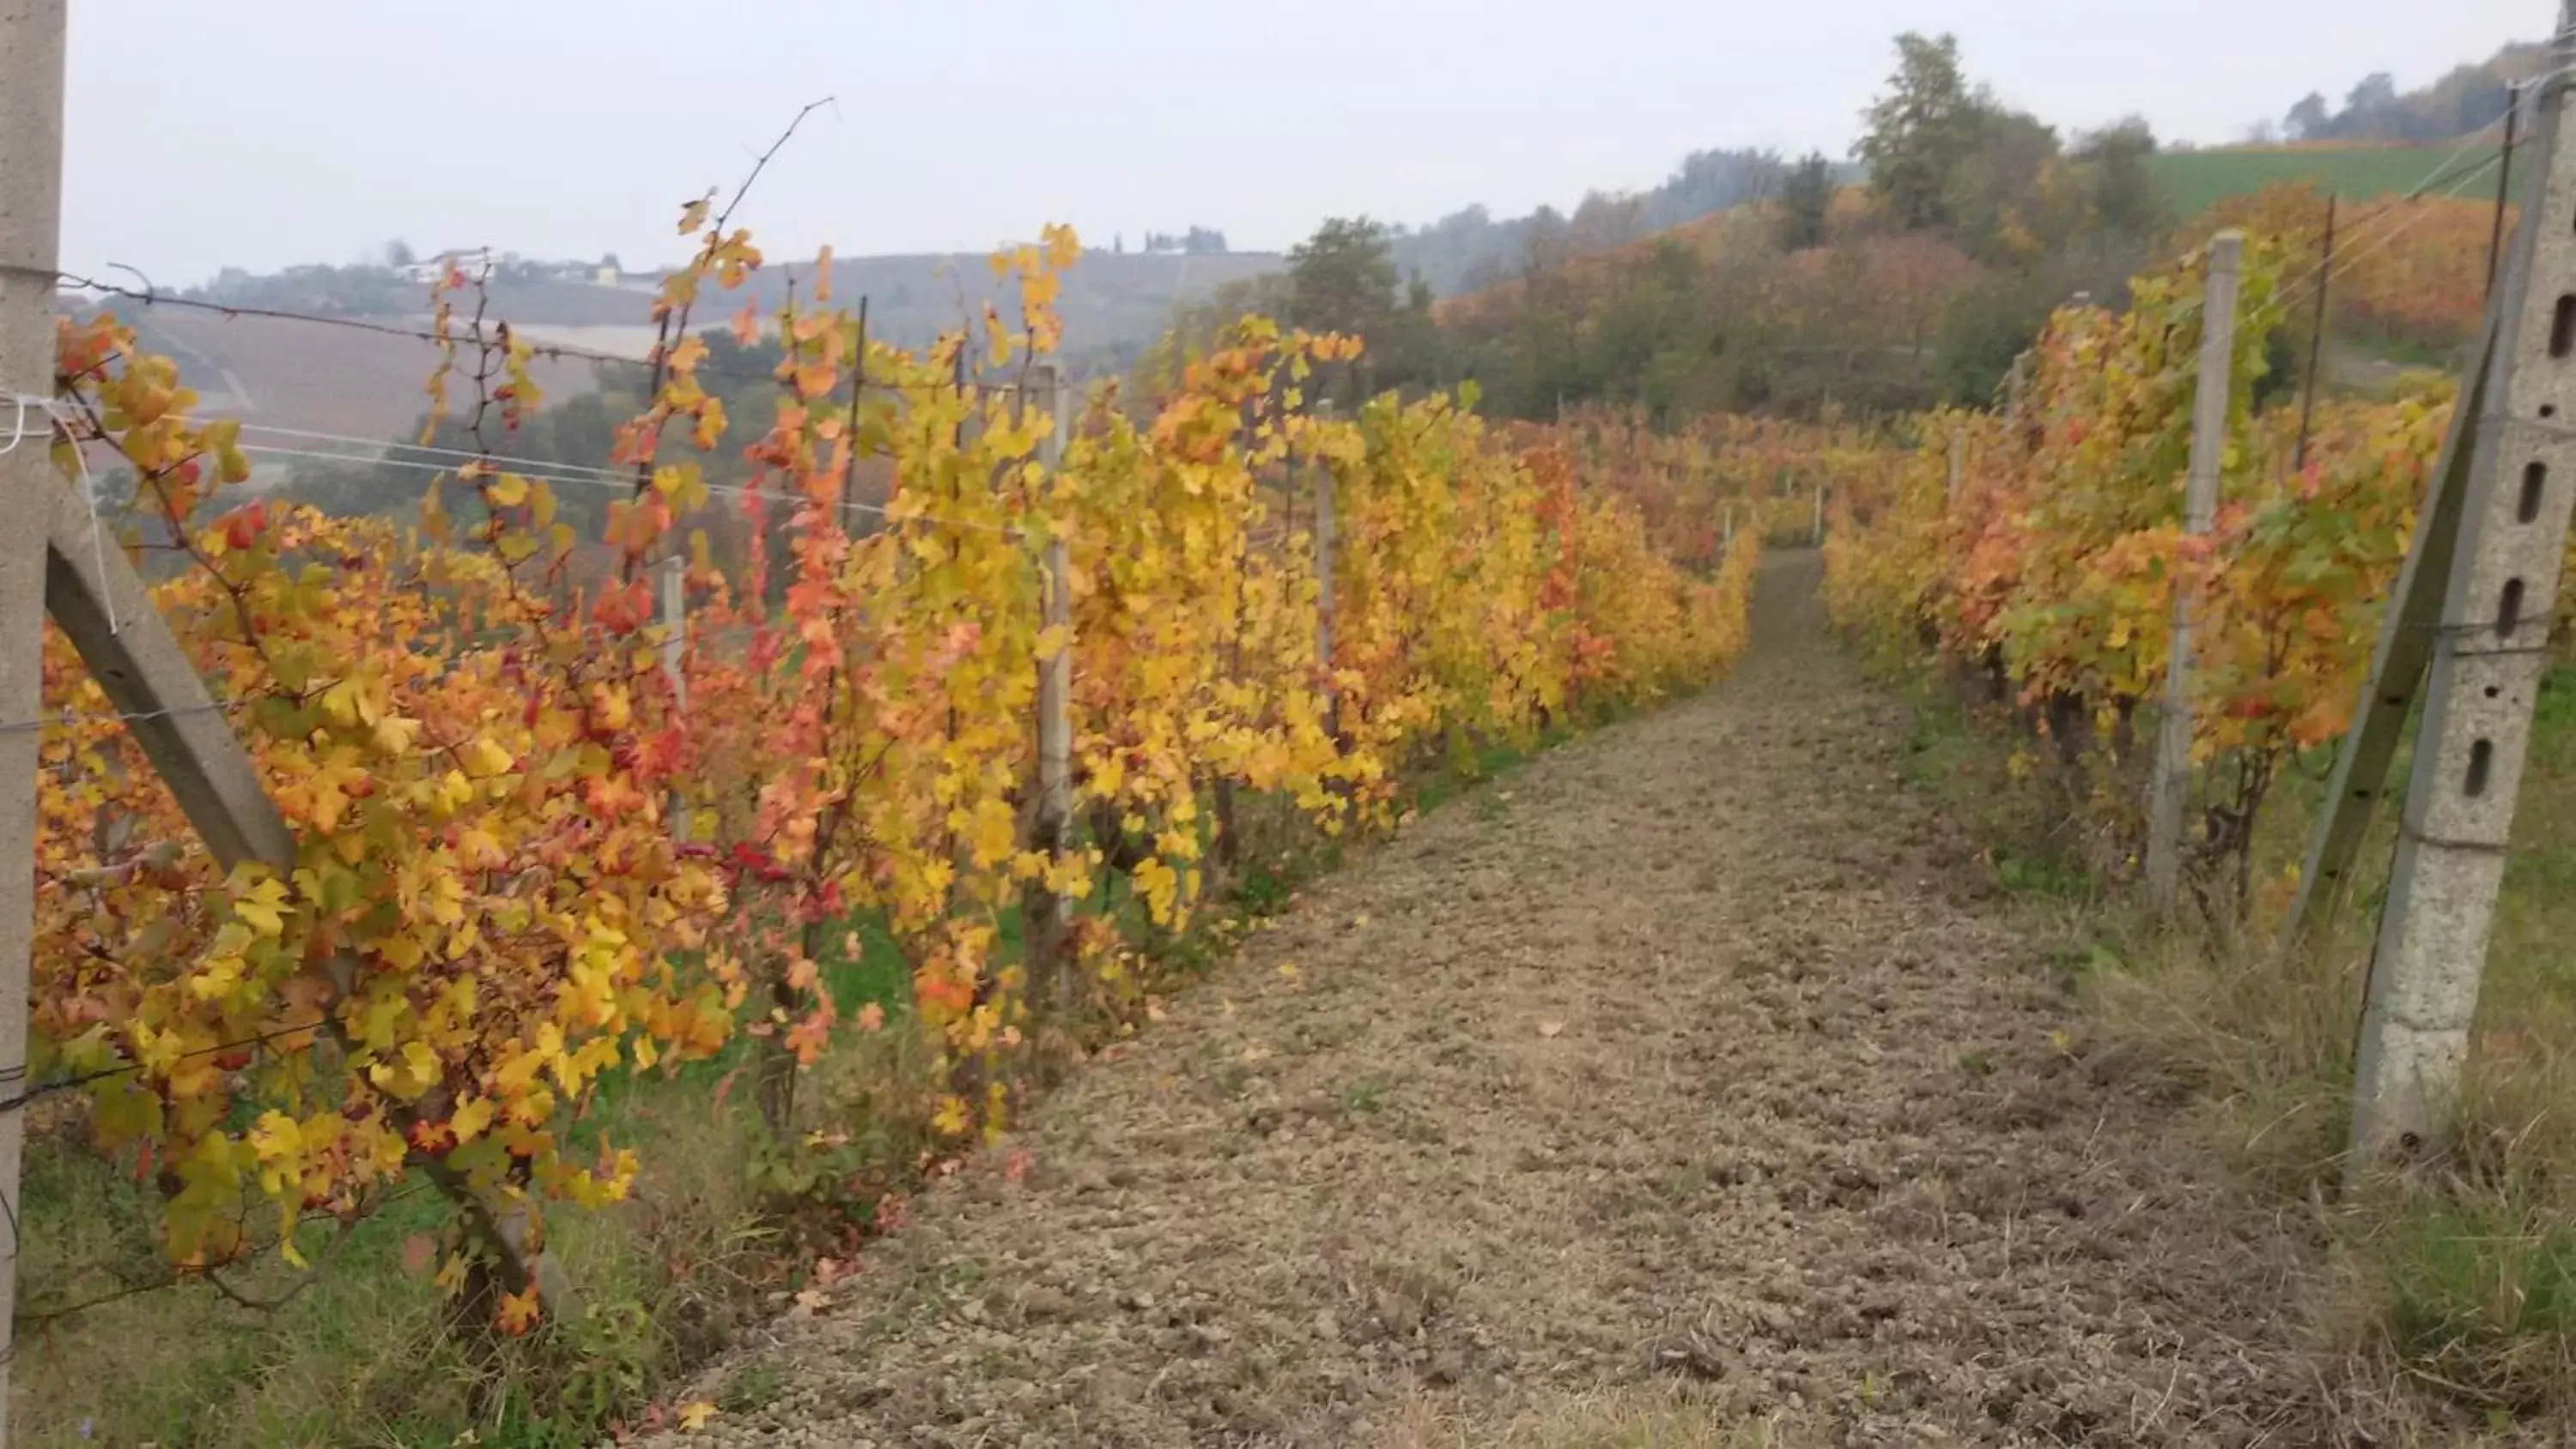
<point x="2052" y="562"/>
<point x="2411" y="271"/>
<point x="535" y="849"/>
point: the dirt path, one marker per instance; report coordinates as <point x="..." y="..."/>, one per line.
<point x="1677" y="1090"/>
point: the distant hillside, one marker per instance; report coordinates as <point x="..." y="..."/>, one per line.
<point x="311" y="379"/>
<point x="1467" y="250"/>
<point x="2410" y="276"/>
<point x="1709" y="239"/>
<point x="1114" y="304"/>
<point x="1717" y="315"/>
<point x="2194" y="181"/>
<point x="352" y="382"/>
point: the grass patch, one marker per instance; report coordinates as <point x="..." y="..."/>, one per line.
<point x="751" y="1388"/>
<point x="1468" y="763"/>
<point x="2481" y="1299"/>
<point x="1957" y="752"/>
<point x="355" y="1351"/>
<point x="2194" y="181"/>
<point x="1365" y="1097"/>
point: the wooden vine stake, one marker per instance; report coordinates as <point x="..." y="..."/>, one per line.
<point x="1324" y="545"/>
<point x="675" y="643"/>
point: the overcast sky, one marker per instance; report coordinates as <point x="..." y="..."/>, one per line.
<point x="262" y="132"/>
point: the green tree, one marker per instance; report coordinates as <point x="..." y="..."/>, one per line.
<point x="1983" y="328"/>
<point x="1996" y="202"/>
<point x="1920" y="130"/>
<point x="1805" y="199"/>
<point x="2126" y="200"/>
<point x="2309" y="120"/>
<point x="1342" y="279"/>
<point x="1985" y="324"/>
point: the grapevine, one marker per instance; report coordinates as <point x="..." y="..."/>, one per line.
<point x="2055" y="562"/>
<point x="530" y="854"/>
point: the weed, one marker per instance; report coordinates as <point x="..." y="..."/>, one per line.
<point x="2483" y="1296"/>
<point x="2042" y="876"/>
<point x="1683" y="1183"/>
<point x="751" y="1388"/>
<point x="1265" y="888"/>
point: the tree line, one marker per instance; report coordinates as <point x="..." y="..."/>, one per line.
<point x="2465" y="99"/>
<point x="1799" y="294"/>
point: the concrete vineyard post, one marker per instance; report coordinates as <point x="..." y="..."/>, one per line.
<point x="31" y="128"/>
<point x="2490" y="653"/>
<point x="2171" y="791"/>
<point x="1049" y="829"/>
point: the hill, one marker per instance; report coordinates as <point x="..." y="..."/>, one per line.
<point x="338" y="381"/>
<point x="1979" y="220"/>
<point x="2409" y="278"/>
<point x="1467" y="250"/>
<point x="1707" y="239"/>
<point x="353" y="382"/>
<point x="1113" y="304"/>
<point x="1717" y="315"/>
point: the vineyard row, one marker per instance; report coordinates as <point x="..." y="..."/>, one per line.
<point x="2042" y="545"/>
<point x="541" y="838"/>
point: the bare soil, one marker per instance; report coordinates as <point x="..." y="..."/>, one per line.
<point x="1683" y="1087"/>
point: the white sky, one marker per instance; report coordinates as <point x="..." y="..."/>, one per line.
<point x="263" y="132"/>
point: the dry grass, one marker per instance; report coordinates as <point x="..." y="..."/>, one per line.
<point x="1419" y="1169"/>
<point x="2443" y="1303"/>
<point x="1641" y="1417"/>
<point x="2263" y="1043"/>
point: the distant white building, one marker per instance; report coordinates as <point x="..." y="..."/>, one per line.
<point x="478" y="261"/>
<point x="432" y="270"/>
